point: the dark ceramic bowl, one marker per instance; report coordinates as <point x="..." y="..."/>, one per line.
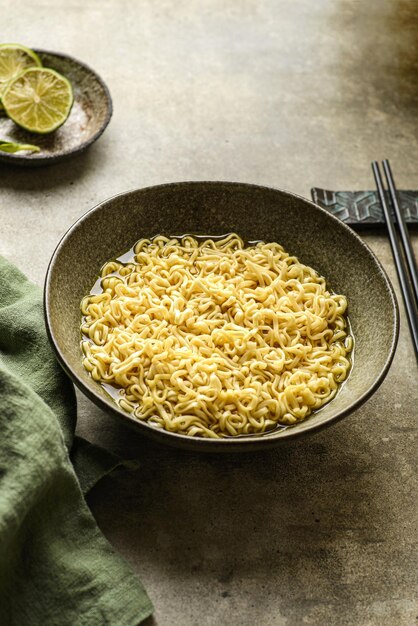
<point x="90" y="114"/>
<point x="215" y="208"/>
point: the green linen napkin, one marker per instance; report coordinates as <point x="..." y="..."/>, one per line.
<point x="56" y="568"/>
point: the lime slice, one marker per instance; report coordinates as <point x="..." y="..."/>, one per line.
<point x="38" y="100"/>
<point x="9" y="146"/>
<point x="14" y="59"/>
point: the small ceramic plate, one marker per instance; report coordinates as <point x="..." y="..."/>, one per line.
<point x="90" y="114"/>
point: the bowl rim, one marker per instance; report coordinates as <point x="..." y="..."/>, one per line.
<point x="204" y="443"/>
<point x="19" y="159"/>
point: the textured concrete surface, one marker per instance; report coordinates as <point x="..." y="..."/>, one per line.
<point x="289" y="93"/>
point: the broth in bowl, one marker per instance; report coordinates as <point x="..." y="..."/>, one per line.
<point x="212" y="337"/>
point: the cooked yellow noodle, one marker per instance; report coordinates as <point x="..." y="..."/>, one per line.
<point x="214" y="338"/>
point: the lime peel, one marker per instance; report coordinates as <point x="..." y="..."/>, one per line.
<point x="9" y="146"/>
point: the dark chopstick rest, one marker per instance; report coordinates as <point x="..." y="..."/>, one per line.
<point x="404" y="258"/>
<point x="362" y="210"/>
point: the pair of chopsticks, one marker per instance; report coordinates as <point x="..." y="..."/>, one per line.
<point x="402" y="251"/>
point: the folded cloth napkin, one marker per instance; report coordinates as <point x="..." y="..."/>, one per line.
<point x="56" y="568"/>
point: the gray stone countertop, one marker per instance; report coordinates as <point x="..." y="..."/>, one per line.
<point x="287" y="93"/>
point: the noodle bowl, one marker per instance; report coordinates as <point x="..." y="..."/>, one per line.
<point x="215" y="338"/>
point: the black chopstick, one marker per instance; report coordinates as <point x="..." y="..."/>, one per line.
<point x="398" y="256"/>
<point x="406" y="242"/>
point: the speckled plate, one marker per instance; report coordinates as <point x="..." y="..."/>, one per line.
<point x="90" y="114"/>
<point x="216" y="208"/>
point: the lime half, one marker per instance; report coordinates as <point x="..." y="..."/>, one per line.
<point x="38" y="100"/>
<point x="14" y="59"/>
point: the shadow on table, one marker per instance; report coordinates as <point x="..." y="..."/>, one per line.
<point x="379" y="66"/>
<point x="53" y="176"/>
